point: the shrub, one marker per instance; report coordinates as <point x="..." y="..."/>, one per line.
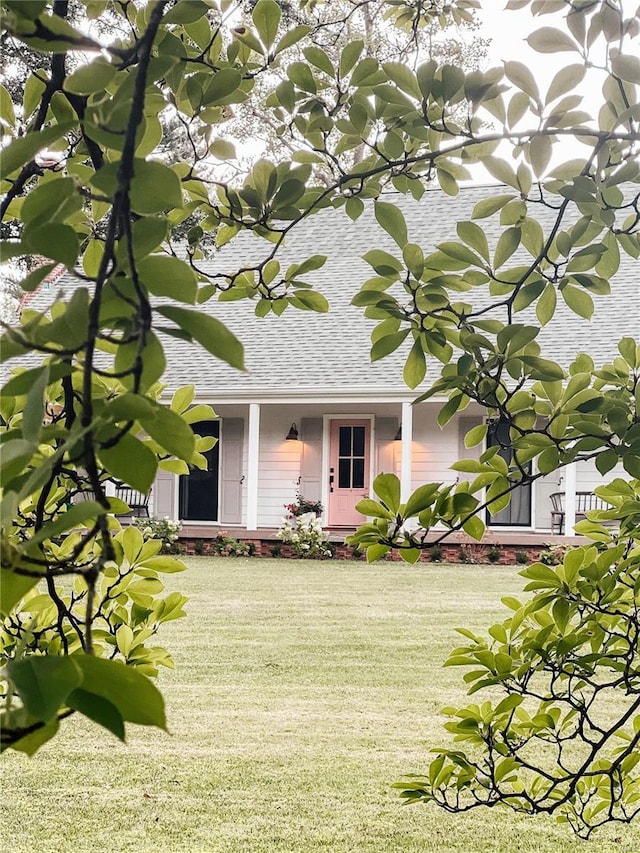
<point x="493" y="554"/>
<point x="435" y="553"/>
<point x="465" y="556"/>
<point x="227" y="546"/>
<point x="198" y="547"/>
<point x="553" y="555"/>
<point x="522" y="557"/>
<point x="276" y="549"/>
<point x="165" y="529"/>
<point x="306" y="537"/>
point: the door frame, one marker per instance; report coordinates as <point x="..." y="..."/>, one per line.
<point x="176" y="490"/>
<point x="519" y="528"/>
<point x="326" y="451"/>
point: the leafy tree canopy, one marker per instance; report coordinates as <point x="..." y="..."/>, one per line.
<point x="85" y="186"/>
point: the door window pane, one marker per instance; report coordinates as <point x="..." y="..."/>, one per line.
<point x="344" y="474"/>
<point x="345" y="441"/>
<point x="358" y="441"/>
<point x="358" y="474"/>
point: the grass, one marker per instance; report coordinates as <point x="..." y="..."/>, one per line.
<point x="302" y="690"/>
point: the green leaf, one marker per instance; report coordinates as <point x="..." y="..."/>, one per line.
<point x="578" y="300"/>
<point x="415" y="367"/>
<point x="383" y="263"/>
<point x="32" y="742"/>
<point x="507" y="244"/>
<point x="154" y="186"/>
<point x="266" y="18"/>
<point x="386" y="345"/>
<point x="460" y="253"/>
<point x="165" y="275"/>
<point x="489" y="206"/>
<point x="546" y="306"/>
<point x="75" y="516"/>
<point x="221" y="87"/>
<point x="43" y="683"/>
<point x="374" y="552"/>
<point x="100" y="710"/>
<point x="170" y="431"/>
<point x="33" y="414"/>
<point x="222" y="149"/>
<point x="310" y="300"/>
<point x="476" y="435"/>
<point x="410" y="555"/>
<point x="209" y="332"/>
<point x="474" y="527"/>
<point x="54" y="240"/>
<point x="368" y="506"/>
<point x="132" y="462"/>
<point x="522" y="77"/>
<point x="550" y="40"/>
<point x="90" y="78"/>
<point x="24" y="149"/>
<point x="316" y="56"/>
<point x="134" y="696"/>
<point x="566" y="80"/>
<point x="13" y="588"/>
<point x="392" y="220"/>
<point x="627" y="67"/>
<point x="387" y="487"/>
<point x="475" y="237"/>
<point x="421" y="499"/>
<point x="350" y="55"/>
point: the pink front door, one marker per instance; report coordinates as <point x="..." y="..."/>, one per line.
<point x="348" y="470"/>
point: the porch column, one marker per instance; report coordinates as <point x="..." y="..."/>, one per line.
<point x="569" y="498"/>
<point x="252" y="466"/>
<point x="405" y="460"/>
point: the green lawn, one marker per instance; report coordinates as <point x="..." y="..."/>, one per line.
<point x="302" y="690"/>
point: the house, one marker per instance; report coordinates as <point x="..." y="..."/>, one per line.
<point x="313" y="415"/>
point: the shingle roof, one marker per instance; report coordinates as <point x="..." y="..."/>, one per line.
<point x="303" y="349"/>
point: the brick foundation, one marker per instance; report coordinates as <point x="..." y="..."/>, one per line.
<point x="451" y="552"/>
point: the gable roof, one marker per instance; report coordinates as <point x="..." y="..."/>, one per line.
<point x="328" y="354"/>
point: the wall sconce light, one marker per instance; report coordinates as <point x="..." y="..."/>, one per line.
<point x="292" y="435"/>
<point x="398" y="436"/>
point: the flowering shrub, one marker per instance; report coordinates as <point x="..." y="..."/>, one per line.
<point x="306" y="537"/>
<point x="301" y="506"/>
<point x="165" y="529"/>
<point x="226" y="546"/>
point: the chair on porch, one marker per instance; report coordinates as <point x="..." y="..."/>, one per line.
<point x="137" y="502"/>
<point x="585" y="501"/>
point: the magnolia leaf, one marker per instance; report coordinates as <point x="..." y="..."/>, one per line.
<point x="392" y="220"/>
<point x="209" y="332"/>
<point x="387" y="487"/>
<point x="131" y="461"/>
<point x="551" y="40"/>
<point x="25" y="148"/>
<point x="43" y="682"/>
<point x="165" y="275"/>
<point x="135" y="697"/>
<point x="266" y="17"/>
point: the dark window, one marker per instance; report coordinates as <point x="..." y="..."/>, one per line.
<point x="199" y="499"/>
<point x="358" y="474"/>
